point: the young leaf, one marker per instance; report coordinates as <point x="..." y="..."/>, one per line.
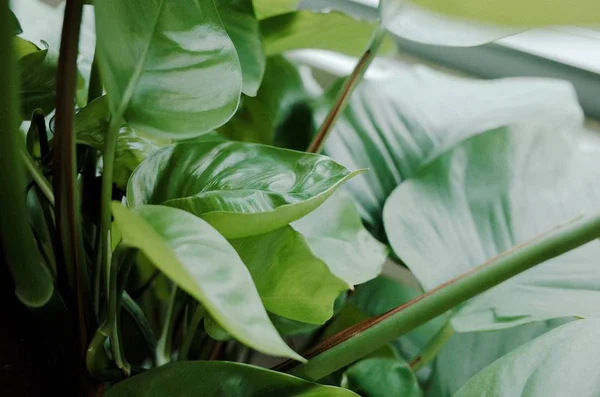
<point x="563" y="362"/>
<point x="202" y="263"/>
<point x="333" y="31"/>
<point x="243" y="29"/>
<point x="335" y="233"/>
<point x="213" y="378"/>
<point x="291" y="281"/>
<point x="170" y="69"/>
<point x="489" y="194"/>
<point x="269" y="8"/>
<point x="378" y="377"/>
<point x="395" y="126"/>
<point x="241" y="189"/>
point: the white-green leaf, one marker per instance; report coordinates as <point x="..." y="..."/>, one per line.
<point x="202" y="263"/>
<point x="169" y="68"/>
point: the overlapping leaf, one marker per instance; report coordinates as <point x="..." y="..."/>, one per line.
<point x="379" y="377"/>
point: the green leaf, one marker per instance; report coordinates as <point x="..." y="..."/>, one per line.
<point x="489" y="194"/>
<point x="465" y="354"/>
<point x="333" y="31"/>
<point x="270" y="8"/>
<point x="14" y="23"/>
<point x="378" y="377"/>
<point x="213" y="378"/>
<point x="291" y="281"/>
<point x="335" y="234"/>
<point x="516" y="12"/>
<point x="241" y="189"/>
<point x="203" y="264"/>
<point x="258" y="117"/>
<point x="91" y="126"/>
<point x="243" y="29"/>
<point x="563" y="362"/>
<point x="170" y="69"/>
<point x="395" y="126"/>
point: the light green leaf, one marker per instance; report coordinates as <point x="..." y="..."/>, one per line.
<point x="335" y="234"/>
<point x="563" y="362"/>
<point x="212" y="378"/>
<point x="243" y="29"/>
<point x="333" y="31"/>
<point x="241" y="189"/>
<point x="291" y="281"/>
<point x="270" y="8"/>
<point x="257" y="118"/>
<point x="203" y="264"/>
<point x="395" y="126"/>
<point x="169" y="68"/>
<point x="489" y="194"/>
<point x="380" y="377"/>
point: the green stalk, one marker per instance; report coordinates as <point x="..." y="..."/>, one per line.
<point x="192" y="328"/>
<point x="356" y="342"/>
<point x="433" y="347"/>
<point x="163" y="349"/>
<point x="316" y="146"/>
<point x="137" y="315"/>
<point x="37" y="176"/>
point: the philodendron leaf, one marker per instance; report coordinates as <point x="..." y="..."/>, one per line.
<point x="243" y="29"/>
<point x="202" y="263"/>
<point x="379" y="377"/>
<point x="333" y="31"/>
<point x="169" y="68"/>
<point x="395" y="126"/>
<point x="335" y="233"/>
<point x="491" y="193"/>
<point x="291" y="281"/>
<point x="241" y="189"/>
<point x="562" y="362"/>
<point x="270" y="8"/>
<point x="213" y="378"/>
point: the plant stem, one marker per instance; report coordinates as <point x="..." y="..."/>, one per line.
<point x="38" y="177"/>
<point x="364" y="338"/>
<point x="433" y="347"/>
<point x="346" y="90"/>
<point x="163" y="350"/>
<point x="138" y="316"/>
<point x="192" y="328"/>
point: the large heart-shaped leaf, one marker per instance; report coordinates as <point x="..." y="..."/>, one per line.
<point x="243" y="29"/>
<point x="395" y="126"/>
<point x="212" y="378"/>
<point x="169" y="68"/>
<point x="491" y="193"/>
<point x="333" y="31"/>
<point x="291" y="280"/>
<point x="335" y="234"/>
<point x="379" y="377"/>
<point x="562" y="362"/>
<point x="201" y="262"/>
<point x="241" y="189"/>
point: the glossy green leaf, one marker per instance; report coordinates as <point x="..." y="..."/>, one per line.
<point x="269" y="8"/>
<point x="516" y="12"/>
<point x="258" y="117"/>
<point x="169" y="68"/>
<point x="395" y="126"/>
<point x="380" y="377"/>
<point x="291" y="281"/>
<point x="335" y="234"/>
<point x="241" y="189"/>
<point x="333" y="31"/>
<point x="465" y="354"/>
<point x="213" y="378"/>
<point x="91" y="127"/>
<point x="491" y="193"/>
<point x="563" y="362"/>
<point x="202" y="263"/>
<point x="243" y="29"/>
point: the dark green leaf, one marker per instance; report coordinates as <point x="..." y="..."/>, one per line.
<point x="333" y="31"/>
<point x="489" y="194"/>
<point x="335" y="233"/>
<point x="381" y="377"/>
<point x="395" y="126"/>
<point x="291" y="281"/>
<point x="202" y="263"/>
<point x="212" y="378"/>
<point x="270" y="8"/>
<point x="169" y="68"/>
<point x="241" y="189"/>
<point x="14" y="23"/>
<point x="562" y="362"/>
